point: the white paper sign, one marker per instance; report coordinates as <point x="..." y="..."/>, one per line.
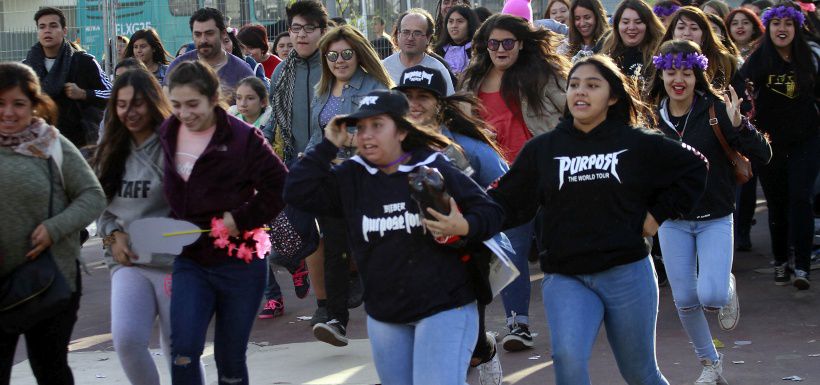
<point x="147" y="238"/>
<point x="502" y="269"/>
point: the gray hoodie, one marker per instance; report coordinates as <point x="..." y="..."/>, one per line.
<point x="140" y="196"/>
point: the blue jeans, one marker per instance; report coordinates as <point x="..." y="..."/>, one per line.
<point x="625" y="300"/>
<point x="230" y="291"/>
<point x="516" y="296"/>
<point x="698" y="260"/>
<point x="272" y="289"/>
<point x="432" y="351"/>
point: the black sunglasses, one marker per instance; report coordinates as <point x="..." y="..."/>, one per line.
<point x="508" y="44"/>
<point x="346" y="54"/>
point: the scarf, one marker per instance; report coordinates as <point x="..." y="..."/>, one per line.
<point x="52" y="82"/>
<point x="283" y="109"/>
<point x="35" y="140"/>
<point x="457" y="56"/>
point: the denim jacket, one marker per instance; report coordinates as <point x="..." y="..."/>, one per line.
<point x="359" y="86"/>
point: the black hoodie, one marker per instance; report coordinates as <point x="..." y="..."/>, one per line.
<point x="407" y="276"/>
<point x="594" y="190"/>
<point x="719" y="198"/>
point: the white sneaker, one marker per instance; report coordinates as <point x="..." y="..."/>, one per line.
<point x="729" y="314"/>
<point x="712" y="373"/>
<point x="489" y="373"/>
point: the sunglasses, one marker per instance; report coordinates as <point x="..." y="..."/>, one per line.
<point x="508" y="44"/>
<point x="346" y="54"/>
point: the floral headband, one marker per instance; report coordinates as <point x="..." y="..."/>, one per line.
<point x="783" y="12"/>
<point x="672" y="61"/>
<point x="665" y="10"/>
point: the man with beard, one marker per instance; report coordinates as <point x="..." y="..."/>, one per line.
<point x="70" y="76"/>
<point x="208" y="30"/>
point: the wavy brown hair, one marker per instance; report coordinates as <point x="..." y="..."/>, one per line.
<point x="614" y="45"/>
<point x="537" y="63"/>
<point x="722" y="64"/>
<point x="109" y="161"/>
<point x="365" y="53"/>
<point x="13" y="74"/>
<point x="551" y="3"/>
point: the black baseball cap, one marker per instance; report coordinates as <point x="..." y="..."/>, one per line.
<point x="380" y="102"/>
<point x="425" y="78"/>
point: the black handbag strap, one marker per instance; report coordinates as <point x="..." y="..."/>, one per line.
<point x="50" y="188"/>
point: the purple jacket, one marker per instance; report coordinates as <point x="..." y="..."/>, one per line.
<point x="237" y="172"/>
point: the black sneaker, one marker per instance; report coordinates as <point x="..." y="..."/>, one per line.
<point x="801" y="280"/>
<point x="319" y="316"/>
<point x="519" y="338"/>
<point x="301" y="280"/>
<point x="331" y="332"/>
<point x="355" y="292"/>
<point x="781" y="274"/>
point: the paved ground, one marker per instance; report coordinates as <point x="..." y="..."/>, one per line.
<point x="777" y="337"/>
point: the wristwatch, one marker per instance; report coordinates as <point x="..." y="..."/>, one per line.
<point x="109" y="240"/>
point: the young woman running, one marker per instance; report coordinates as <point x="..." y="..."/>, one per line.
<point x="786" y="75"/>
<point x="599" y="184"/>
<point x="697" y="248"/>
<point x="422" y="319"/>
<point x="220" y="174"/>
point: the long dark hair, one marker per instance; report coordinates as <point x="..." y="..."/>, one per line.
<point x="762" y="60"/>
<point x="440" y="23"/>
<point x="657" y="91"/>
<point x="444" y="35"/>
<point x="418" y="137"/>
<point x="237" y="49"/>
<point x="722" y="64"/>
<point x="109" y="162"/>
<point x="537" y="63"/>
<point x="614" y="45"/>
<point x="601" y="24"/>
<point x="14" y="74"/>
<point x="629" y="109"/>
<point x="152" y="38"/>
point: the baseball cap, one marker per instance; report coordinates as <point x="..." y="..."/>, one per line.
<point x="380" y="102"/>
<point x="425" y="78"/>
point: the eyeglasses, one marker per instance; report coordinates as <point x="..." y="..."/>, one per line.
<point x="346" y="54"/>
<point x="296" y="28"/>
<point x="405" y="33"/>
<point x="508" y="44"/>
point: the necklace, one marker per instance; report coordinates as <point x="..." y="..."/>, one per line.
<point x="402" y="158"/>
<point x="685" y="121"/>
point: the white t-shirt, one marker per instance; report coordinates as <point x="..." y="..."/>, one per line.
<point x="50" y="63"/>
<point x="394" y="67"/>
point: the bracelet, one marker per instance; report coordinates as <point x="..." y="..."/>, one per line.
<point x="109" y="240"/>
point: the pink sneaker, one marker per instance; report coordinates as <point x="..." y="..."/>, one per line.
<point x="273" y="308"/>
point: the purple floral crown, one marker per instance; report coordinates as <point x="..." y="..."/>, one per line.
<point x="665" y="10"/>
<point x="672" y="61"/>
<point x="783" y="12"/>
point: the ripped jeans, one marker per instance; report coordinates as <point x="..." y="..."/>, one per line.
<point x="698" y="260"/>
<point x="232" y="292"/>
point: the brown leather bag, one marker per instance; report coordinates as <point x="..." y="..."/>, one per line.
<point x="742" y="166"/>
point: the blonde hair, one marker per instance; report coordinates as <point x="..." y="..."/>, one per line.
<point x="365" y="54"/>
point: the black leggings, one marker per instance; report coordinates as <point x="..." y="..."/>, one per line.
<point x="47" y="346"/>
<point x="788" y="183"/>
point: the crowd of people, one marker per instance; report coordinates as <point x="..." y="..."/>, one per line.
<point x="619" y="151"/>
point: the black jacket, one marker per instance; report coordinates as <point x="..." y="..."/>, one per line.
<point x="719" y="197"/>
<point x="78" y="119"/>
<point x="407" y="276"/>
<point x="592" y="192"/>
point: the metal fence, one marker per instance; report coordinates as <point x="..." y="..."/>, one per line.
<point x="87" y="18"/>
